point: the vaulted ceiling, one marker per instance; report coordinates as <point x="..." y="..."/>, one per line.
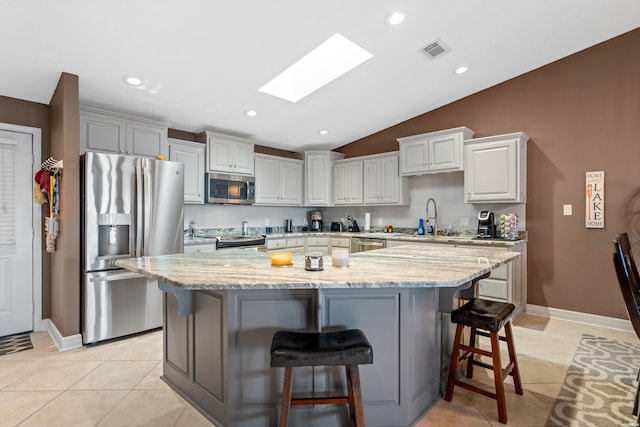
<point x="201" y="62"/>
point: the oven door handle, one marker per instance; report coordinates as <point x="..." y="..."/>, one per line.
<point x="372" y="244"/>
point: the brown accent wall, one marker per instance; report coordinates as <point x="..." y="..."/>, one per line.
<point x="32" y="114"/>
<point x="262" y="149"/>
<point x="181" y="134"/>
<point x="582" y="113"/>
<point x="64" y="116"/>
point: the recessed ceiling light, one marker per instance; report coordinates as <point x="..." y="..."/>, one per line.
<point x="133" y="81"/>
<point x="333" y="58"/>
<point x="323" y="132"/>
<point x="395" y="18"/>
<point x="251" y="113"/>
<point x="461" y="70"/>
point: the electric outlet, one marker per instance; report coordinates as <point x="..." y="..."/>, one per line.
<point x="266" y="222"/>
<point x="464" y="221"/>
<point x="567" y="209"/>
<point x="379" y="222"/>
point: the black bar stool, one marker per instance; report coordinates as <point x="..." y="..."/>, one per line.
<point x="489" y="316"/>
<point x="349" y="348"/>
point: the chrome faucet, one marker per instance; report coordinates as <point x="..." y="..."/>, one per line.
<point x="192" y="229"/>
<point x="435" y="216"/>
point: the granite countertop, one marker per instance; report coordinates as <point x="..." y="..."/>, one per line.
<point x="401" y="266"/>
<point x="405" y="237"/>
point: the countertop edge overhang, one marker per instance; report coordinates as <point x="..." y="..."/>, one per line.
<point x="405" y="266"/>
<point x="408" y="238"/>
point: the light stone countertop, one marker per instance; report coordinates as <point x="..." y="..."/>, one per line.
<point x="401" y="266"/>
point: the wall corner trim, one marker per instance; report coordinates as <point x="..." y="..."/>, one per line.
<point x="60" y="342"/>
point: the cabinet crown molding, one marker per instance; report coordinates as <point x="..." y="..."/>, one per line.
<point x="515" y="135"/>
<point x="85" y="109"/>
<point x="368" y="157"/>
<point x="467" y="134"/>
<point x="202" y="137"/>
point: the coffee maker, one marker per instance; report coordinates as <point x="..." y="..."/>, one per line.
<point x="315" y="221"/>
<point x="486" y="228"/>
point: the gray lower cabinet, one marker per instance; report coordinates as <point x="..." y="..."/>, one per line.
<point x="218" y="357"/>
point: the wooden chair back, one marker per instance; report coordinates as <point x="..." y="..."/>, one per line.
<point x="628" y="279"/>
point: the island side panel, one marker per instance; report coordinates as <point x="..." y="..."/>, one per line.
<point x="422" y="371"/>
<point x="195" y="349"/>
<point x="402" y="326"/>
<point x="254" y="316"/>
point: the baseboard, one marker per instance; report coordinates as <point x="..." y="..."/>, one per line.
<point x="576" y="316"/>
<point x="60" y="342"/>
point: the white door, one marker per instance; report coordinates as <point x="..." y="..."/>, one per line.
<point x="16" y="233"/>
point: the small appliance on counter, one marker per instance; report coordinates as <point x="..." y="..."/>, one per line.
<point x="288" y="226"/>
<point x="352" y="224"/>
<point x="486" y="228"/>
<point x="337" y="226"/>
<point x="315" y="219"/>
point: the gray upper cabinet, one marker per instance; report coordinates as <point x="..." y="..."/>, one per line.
<point x="191" y="154"/>
<point x="278" y="181"/>
<point x="120" y="134"/>
<point x="347" y="182"/>
<point x="495" y="169"/>
<point x="382" y="184"/>
<point x="318" y="177"/>
<point x="229" y="154"/>
<point x="433" y="152"/>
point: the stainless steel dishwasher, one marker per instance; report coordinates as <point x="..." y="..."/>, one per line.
<point x="361" y="244"/>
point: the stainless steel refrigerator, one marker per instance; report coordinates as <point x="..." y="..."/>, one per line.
<point x="132" y="207"/>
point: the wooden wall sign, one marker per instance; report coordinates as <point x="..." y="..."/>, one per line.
<point x="594" y="207"/>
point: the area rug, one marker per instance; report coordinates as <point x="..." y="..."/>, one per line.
<point x="600" y="385"/>
<point x="15" y="343"/>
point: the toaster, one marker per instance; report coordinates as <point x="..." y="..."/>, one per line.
<point x="337" y="226"/>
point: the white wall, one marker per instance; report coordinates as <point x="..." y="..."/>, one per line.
<point x="445" y="188"/>
<point x="228" y="216"/>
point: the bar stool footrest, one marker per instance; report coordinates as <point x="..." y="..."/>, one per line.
<point x="475" y="389"/>
<point x="337" y="400"/>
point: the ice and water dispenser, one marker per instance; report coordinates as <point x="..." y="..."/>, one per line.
<point x="114" y="235"/>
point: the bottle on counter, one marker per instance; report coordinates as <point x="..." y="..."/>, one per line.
<point x="420" y="228"/>
<point x="430" y="230"/>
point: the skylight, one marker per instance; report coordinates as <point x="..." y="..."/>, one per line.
<point x="325" y="63"/>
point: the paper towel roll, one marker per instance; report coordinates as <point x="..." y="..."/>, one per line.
<point x="367" y="221"/>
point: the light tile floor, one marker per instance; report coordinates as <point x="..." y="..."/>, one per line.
<point x="118" y="383"/>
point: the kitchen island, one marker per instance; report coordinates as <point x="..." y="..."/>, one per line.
<point x="218" y="330"/>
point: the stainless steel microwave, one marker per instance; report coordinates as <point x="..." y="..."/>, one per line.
<point x="230" y="189"/>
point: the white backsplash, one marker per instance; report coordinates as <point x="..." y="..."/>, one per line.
<point x="228" y="216"/>
<point x="445" y="188"/>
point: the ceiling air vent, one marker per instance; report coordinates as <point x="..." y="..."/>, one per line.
<point x="435" y="49"/>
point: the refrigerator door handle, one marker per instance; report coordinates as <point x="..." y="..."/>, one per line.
<point x="139" y="214"/>
<point x="146" y="206"/>
<point x="114" y="277"/>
